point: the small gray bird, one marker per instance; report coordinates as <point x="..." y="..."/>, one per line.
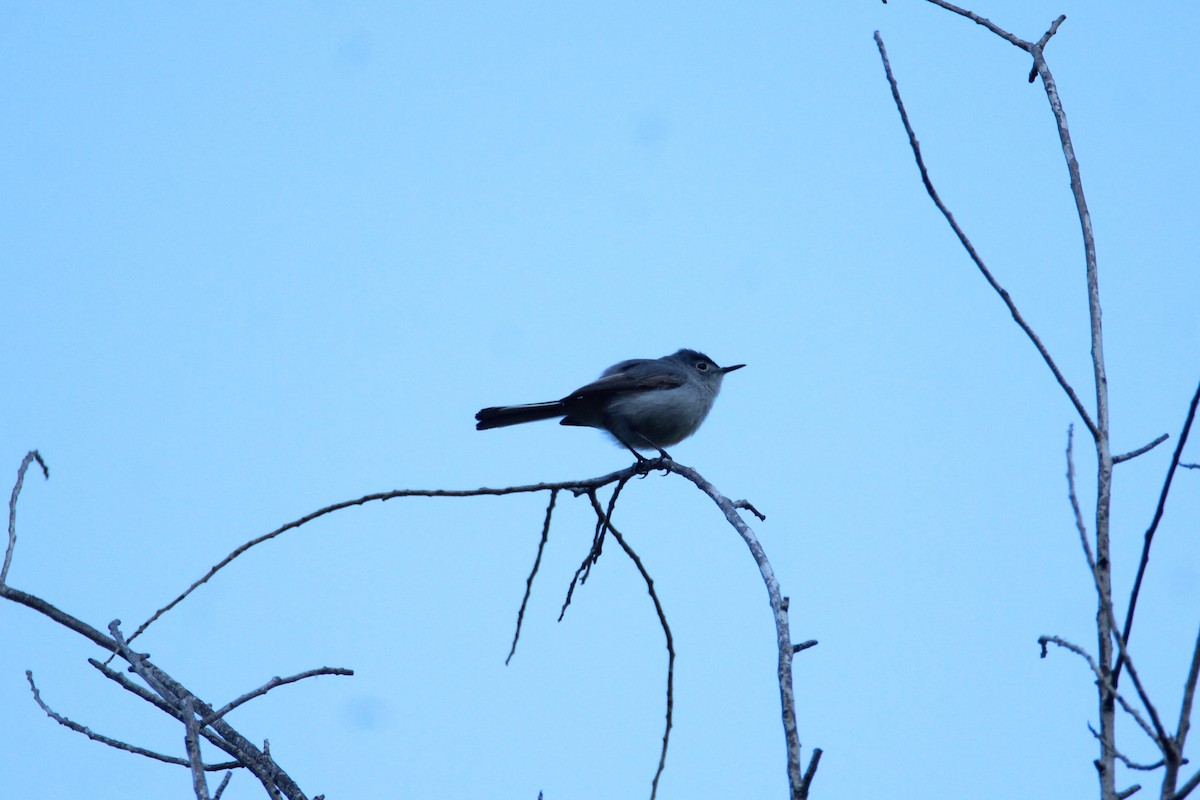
<point x="644" y="403"/>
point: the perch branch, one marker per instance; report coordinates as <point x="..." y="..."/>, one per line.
<point x="799" y="783"/>
<point x="592" y="483"/>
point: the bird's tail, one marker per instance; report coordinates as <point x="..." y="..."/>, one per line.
<point x="501" y="416"/>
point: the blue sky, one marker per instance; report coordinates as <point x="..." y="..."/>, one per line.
<point x="262" y="259"/>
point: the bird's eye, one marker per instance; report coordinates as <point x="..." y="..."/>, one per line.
<point x="702" y="366"/>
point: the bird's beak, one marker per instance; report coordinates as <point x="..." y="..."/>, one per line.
<point x="731" y="369"/>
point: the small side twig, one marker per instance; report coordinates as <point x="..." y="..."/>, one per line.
<point x="114" y="743"/>
<point x="1189" y="696"/>
<point x="1187" y="788"/>
<point x="1143" y="449"/>
<point x="192" y="745"/>
<point x="662" y="619"/>
<point x="1158" y="514"/>
<point x="268" y="686"/>
<point x="537" y="562"/>
<point x="603" y="525"/>
<point x="1104" y="684"/>
<point x="1160" y="736"/>
<point x="221" y="789"/>
<point x="749" y="507"/>
<point x="31" y="456"/>
<point x="1124" y="759"/>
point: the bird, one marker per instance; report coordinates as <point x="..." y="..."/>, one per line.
<point x="643" y="403"/>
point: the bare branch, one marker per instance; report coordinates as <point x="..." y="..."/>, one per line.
<point x="1053" y="29"/>
<point x="747" y="505"/>
<point x="1187" y="788"/>
<point x="813" y="761"/>
<point x="577" y="485"/>
<point x="1189" y="694"/>
<point x="799" y="783"/>
<point x="32" y="455"/>
<point x="602" y="526"/>
<point x="962" y="237"/>
<point x="156" y="701"/>
<point x="529" y="581"/>
<point x="1158" y="514"/>
<point x="1160" y="737"/>
<point x="61" y="617"/>
<point x="192" y="745"/>
<point x="1130" y="792"/>
<point x="1104" y="685"/>
<point x="269" y="773"/>
<point x="221" y="789"/>
<point x="1143" y="449"/>
<point x="115" y="743"/>
<point x="662" y="619"/>
<point x="1124" y="759"/>
<point x="978" y="20"/>
<point x="268" y="686"/>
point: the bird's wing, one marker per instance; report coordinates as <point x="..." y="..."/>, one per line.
<point x="626" y="382"/>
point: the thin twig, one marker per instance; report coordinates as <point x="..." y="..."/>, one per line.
<point x="1143" y="449"/>
<point x="115" y="743"/>
<point x="583" y="484"/>
<point x="662" y="619"/>
<point x="602" y="525"/>
<point x="529" y="581"/>
<point x="746" y="504"/>
<point x="962" y="237"/>
<point x="268" y="686"/>
<point x="978" y="20"/>
<point x="259" y="762"/>
<point x="221" y="789"/>
<point x="1158" y="514"/>
<point x="1124" y="759"/>
<point x="1041" y="45"/>
<point x="1160" y="737"/>
<point x="1189" y="694"/>
<point x="806" y="781"/>
<point x="1101" y="681"/>
<point x="192" y="745"/>
<point x="1187" y="788"/>
<point x="32" y="455"/>
<point x="156" y="701"/>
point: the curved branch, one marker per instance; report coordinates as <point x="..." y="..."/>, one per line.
<point x="1158" y="513"/>
<point x="379" y="497"/>
<point x="32" y="455"/>
<point x="800" y="783"/>
<point x="966" y="242"/>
